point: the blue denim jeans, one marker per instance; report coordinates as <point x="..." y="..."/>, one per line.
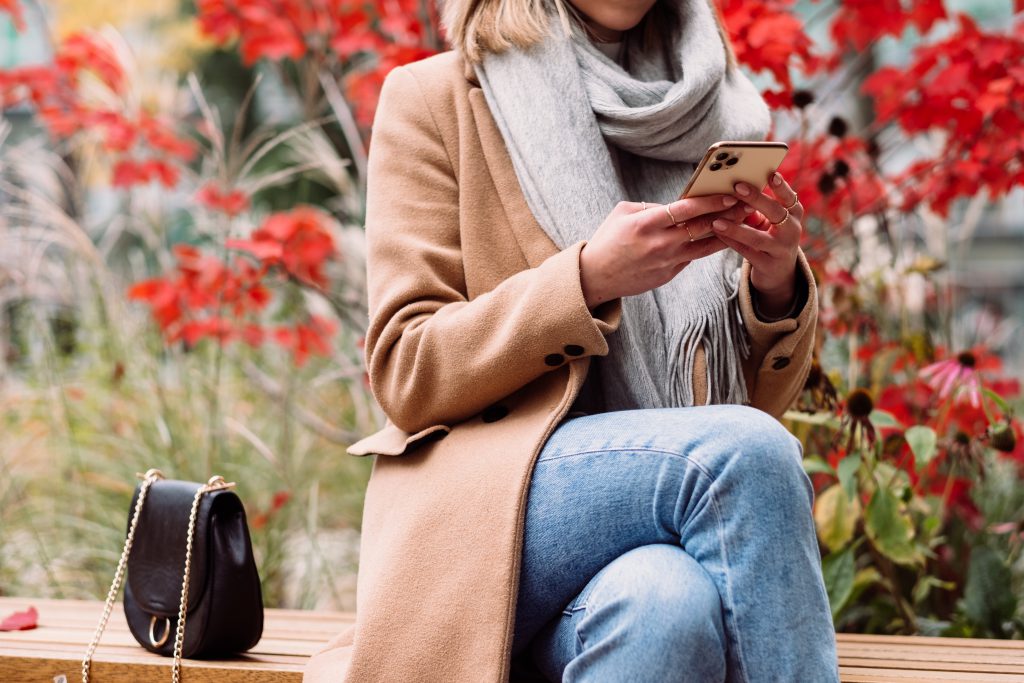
<point x="673" y="545"/>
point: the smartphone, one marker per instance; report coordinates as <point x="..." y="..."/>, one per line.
<point x="729" y="162"/>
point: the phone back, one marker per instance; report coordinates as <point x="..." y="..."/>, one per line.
<point x="727" y="163"/>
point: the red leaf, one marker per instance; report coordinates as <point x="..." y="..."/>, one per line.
<point x="21" y="621"/>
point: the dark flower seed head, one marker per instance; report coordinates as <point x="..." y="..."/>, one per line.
<point x="1003" y="438"/>
<point x="961" y="438"/>
<point x="826" y="183"/>
<point x="860" y="404"/>
<point x="802" y="98"/>
<point x="873" y="149"/>
<point x="838" y="126"/>
<point x="840" y="169"/>
<point x="966" y="359"/>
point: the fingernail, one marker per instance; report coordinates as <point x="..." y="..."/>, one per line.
<point x="719" y="225"/>
<point x="742" y="189"/>
<point x="776" y="179"/>
<point x="729" y="201"/>
<point x="747" y="208"/>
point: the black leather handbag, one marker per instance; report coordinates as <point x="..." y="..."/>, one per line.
<point x="189" y="562"/>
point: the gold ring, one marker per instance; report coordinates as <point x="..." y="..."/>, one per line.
<point x="687" y="228"/>
<point x="786" y="218"/>
<point x="152" y="636"/>
<point x="671" y="217"/>
<point x="796" y="200"/>
<point x="643" y="206"/>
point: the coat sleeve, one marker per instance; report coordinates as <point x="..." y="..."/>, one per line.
<point x="780" y="352"/>
<point x="434" y="356"/>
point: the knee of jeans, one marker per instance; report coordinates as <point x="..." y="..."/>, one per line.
<point x="660" y="591"/>
<point x="767" y="458"/>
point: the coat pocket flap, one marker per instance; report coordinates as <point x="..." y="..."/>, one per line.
<point x="393" y="441"/>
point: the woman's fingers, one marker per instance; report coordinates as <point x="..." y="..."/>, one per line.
<point x="659" y="216"/>
<point x="786" y="195"/>
<point x="751" y="237"/>
<point x="757" y="258"/>
<point x="760" y="201"/>
<point x="691" y="251"/>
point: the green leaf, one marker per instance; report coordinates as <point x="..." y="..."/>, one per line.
<point x="816" y="466"/>
<point x="922" y="442"/>
<point x="835" y="516"/>
<point x="889" y="529"/>
<point x="847" y="473"/>
<point x="838" y="572"/>
<point x="882" y="418"/>
<point x="925" y="584"/>
<point x="988" y="600"/>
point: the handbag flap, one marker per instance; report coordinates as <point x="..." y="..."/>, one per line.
<point x="156" y="563"/>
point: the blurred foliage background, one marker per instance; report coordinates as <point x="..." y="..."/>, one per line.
<point x="182" y="283"/>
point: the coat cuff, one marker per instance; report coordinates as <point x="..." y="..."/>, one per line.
<point x="765" y="333"/>
<point x="582" y="331"/>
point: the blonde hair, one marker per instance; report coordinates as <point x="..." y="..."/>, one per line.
<point x="474" y="27"/>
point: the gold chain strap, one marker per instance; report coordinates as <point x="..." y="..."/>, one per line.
<point x="214" y="484"/>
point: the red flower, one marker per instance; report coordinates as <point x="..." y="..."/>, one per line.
<point x="858" y="23"/>
<point x="13" y="8"/>
<point x="767" y="36"/>
<point x="230" y="202"/>
<point x="297" y="240"/>
<point x="84" y="52"/>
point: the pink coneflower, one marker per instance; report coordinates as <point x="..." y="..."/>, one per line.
<point x="955" y="377"/>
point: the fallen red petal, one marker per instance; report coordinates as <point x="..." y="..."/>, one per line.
<point x="21" y="621"/>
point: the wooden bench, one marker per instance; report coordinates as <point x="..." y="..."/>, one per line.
<point x="290" y="636"/>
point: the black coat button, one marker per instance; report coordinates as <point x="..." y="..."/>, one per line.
<point x="554" y="359"/>
<point x="493" y="413"/>
<point x="780" y="362"/>
<point x="574" y="349"/>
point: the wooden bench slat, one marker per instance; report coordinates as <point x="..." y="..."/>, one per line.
<point x="976" y="667"/>
<point x="290" y="636"/>
<point x="865" y="674"/>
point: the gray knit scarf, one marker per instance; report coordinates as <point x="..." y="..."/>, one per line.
<point x="584" y="134"/>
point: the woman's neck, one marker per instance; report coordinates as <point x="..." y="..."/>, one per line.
<point x="595" y="31"/>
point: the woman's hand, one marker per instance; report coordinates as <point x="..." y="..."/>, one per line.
<point x="638" y="249"/>
<point x="769" y="240"/>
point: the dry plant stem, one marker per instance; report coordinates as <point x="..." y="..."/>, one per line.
<point x="306" y="417"/>
<point x="347" y="123"/>
<point x="889" y="571"/>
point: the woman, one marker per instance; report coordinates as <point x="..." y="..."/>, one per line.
<point x="569" y="485"/>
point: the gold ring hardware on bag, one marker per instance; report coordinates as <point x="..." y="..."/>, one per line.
<point x="167" y="631"/>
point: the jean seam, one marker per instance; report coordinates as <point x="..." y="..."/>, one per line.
<point x="728" y="584"/>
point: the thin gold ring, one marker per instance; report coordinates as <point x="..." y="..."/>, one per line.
<point x="786" y="218"/>
<point x="796" y="200"/>
<point x="643" y="205"/>
<point x="671" y="217"/>
<point x="687" y="228"/>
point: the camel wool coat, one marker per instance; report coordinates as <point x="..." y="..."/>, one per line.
<point x="478" y="343"/>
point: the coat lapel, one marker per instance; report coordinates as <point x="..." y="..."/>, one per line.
<point x="537" y="246"/>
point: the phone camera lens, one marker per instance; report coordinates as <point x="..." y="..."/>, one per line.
<point x="732" y="161"/>
<point x="721" y="155"/>
<point x="715" y="166"/>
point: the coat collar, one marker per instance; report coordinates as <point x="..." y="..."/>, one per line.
<point x="469" y="72"/>
<point x="534" y="242"/>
